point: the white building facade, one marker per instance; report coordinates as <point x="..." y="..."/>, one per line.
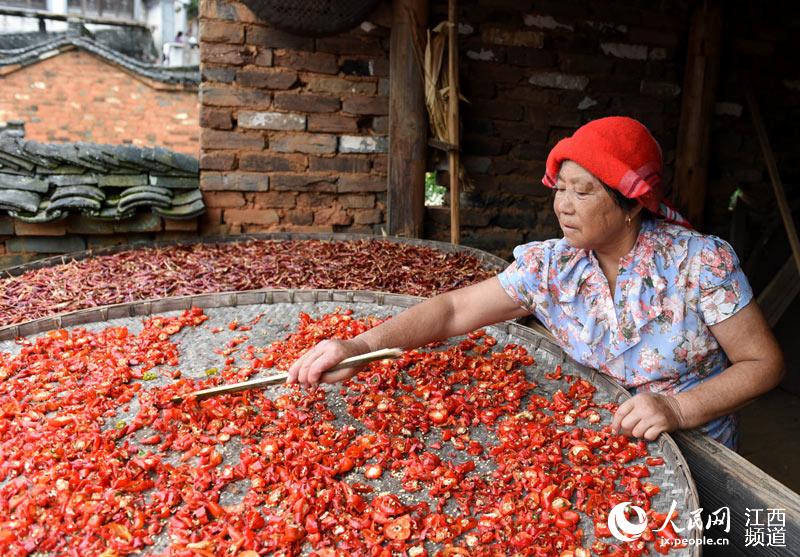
<point x="165" y="18"/>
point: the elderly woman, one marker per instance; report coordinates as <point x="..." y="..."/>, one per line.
<point x="630" y="290"/>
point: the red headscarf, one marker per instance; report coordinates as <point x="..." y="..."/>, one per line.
<point x="622" y="154"/>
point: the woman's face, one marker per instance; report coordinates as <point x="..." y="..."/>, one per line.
<point x="588" y="216"/>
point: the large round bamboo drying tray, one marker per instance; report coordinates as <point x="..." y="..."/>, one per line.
<point x="489" y="260"/>
<point x="281" y="309"/>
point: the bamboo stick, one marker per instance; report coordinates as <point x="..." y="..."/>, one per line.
<point x="453" y="120"/>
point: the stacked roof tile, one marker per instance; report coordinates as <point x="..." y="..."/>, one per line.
<point x="44" y="182"/>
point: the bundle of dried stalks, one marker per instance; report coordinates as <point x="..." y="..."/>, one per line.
<point x="430" y="60"/>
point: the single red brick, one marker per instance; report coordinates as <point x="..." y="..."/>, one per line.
<point x="334" y="123"/>
<point x="305" y="102"/>
<point x="217" y="160"/>
<point x="302" y="217"/>
<point x="221" y="31"/>
<point x="339" y="85"/>
<point x="216" y="139"/>
<point x="311" y="143"/>
<point x="356" y="201"/>
<point x="319" y="62"/>
<point x="339" y="163"/>
<point x="223" y="199"/>
<point x="219" y="53"/>
<point x="332" y="215"/>
<point x="367" y="216"/>
<point x="361" y="183"/>
<point x="315" y="199"/>
<point x="274" y="199"/>
<point x="366" y="105"/>
<point x="303" y="182"/>
<point x="217" y="118"/>
<point x="269" y="162"/>
<point x="250" y="216"/>
<point x="268" y="78"/>
<point x="218" y="95"/>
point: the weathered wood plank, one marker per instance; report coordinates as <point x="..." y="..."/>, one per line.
<point x="408" y="126"/>
<point x="726" y="479"/>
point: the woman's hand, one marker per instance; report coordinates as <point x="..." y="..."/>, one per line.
<point x="309" y="368"/>
<point x="647" y="415"/>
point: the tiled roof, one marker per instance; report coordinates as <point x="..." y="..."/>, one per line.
<point x="43" y="182"/>
<point x="58" y="43"/>
<point x="11" y="41"/>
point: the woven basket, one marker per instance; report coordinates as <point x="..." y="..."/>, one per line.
<point x="490" y="261"/>
<point x="280" y="308"/>
<point x="311" y="18"/>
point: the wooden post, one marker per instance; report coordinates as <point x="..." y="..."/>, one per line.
<point x="697" y="109"/>
<point x="408" y="126"/>
<point x="453" y="120"/>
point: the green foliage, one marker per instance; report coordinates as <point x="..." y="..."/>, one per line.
<point x="193" y="9"/>
<point x="434" y="193"/>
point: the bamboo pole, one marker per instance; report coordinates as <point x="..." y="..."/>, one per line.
<point x="453" y="120"/>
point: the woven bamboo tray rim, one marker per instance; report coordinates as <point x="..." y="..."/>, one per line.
<point x="275" y="296"/>
<point x="490" y="260"/>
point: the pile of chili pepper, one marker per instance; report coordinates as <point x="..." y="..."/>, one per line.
<point x="75" y="480"/>
<point x="182" y="270"/>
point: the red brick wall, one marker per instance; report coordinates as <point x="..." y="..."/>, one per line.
<point x="294" y="129"/>
<point x="275" y="108"/>
<point x="77" y="96"/>
<point x="533" y="73"/>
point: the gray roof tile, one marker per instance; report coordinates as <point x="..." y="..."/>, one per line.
<point x="104" y="181"/>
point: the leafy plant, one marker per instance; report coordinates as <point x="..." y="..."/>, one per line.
<point x="193" y="9"/>
<point x="434" y="193"/>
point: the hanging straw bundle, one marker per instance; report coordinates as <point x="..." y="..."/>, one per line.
<point x="430" y="60"/>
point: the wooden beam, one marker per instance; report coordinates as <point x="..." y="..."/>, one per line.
<point x="697" y="109"/>
<point x="453" y="120"/>
<point x="408" y="125"/>
<point x="441" y="145"/>
<point x="725" y="479"/>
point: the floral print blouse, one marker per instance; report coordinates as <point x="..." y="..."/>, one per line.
<point x="652" y="333"/>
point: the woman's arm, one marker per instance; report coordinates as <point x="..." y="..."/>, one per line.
<point x="756" y="367"/>
<point x="450" y="314"/>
